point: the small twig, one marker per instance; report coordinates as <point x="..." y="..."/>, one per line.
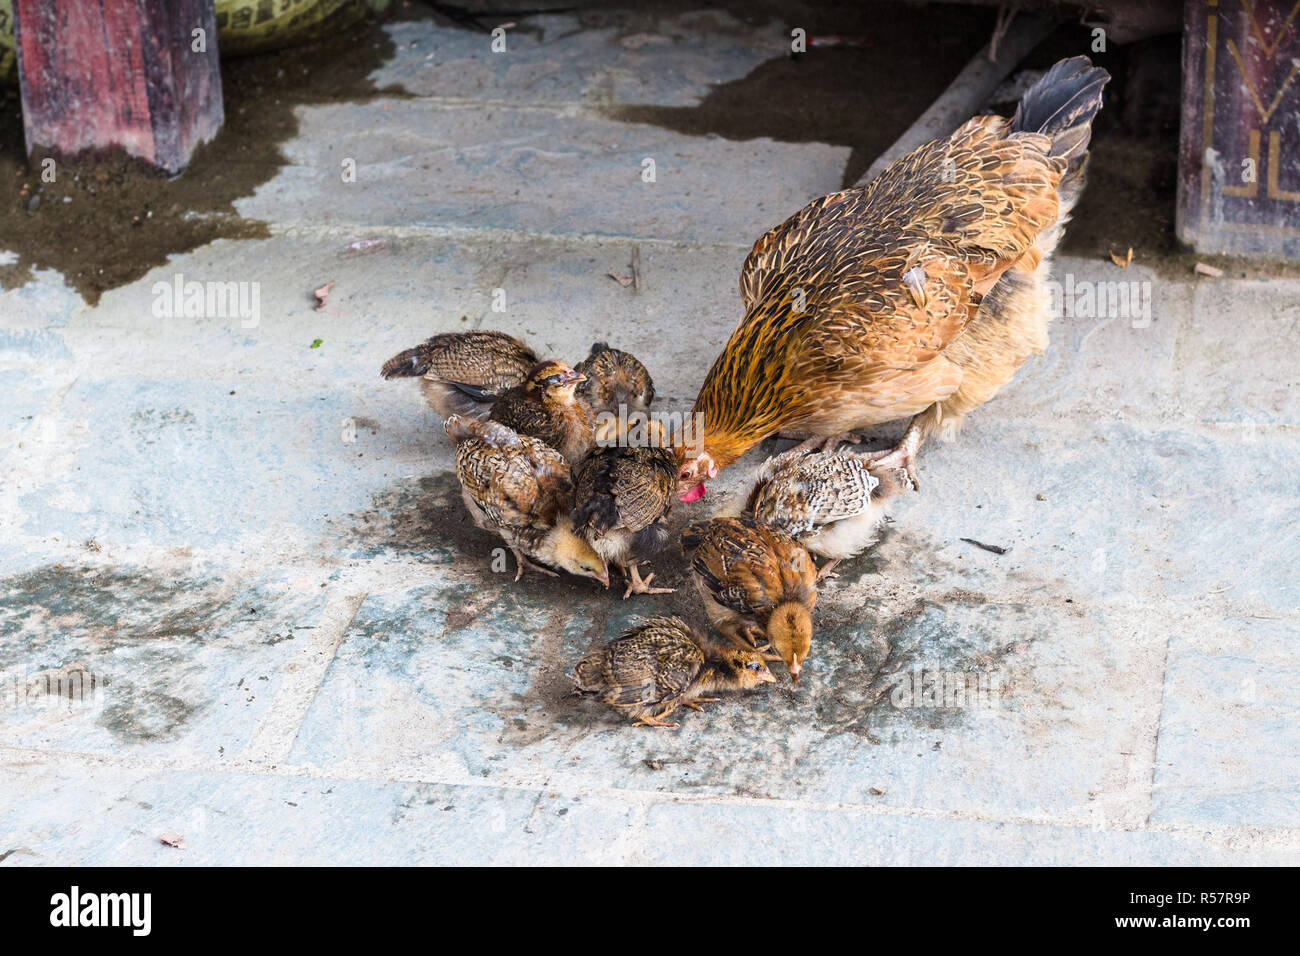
<point x="987" y="547"/>
<point x="636" y="268"/>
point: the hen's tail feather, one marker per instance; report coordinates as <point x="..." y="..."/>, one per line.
<point x="408" y="364"/>
<point x="1062" y="105"/>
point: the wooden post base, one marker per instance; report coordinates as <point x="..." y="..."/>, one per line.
<point x="139" y="75"/>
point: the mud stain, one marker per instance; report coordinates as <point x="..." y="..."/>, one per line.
<point x="136" y="634"/>
<point x="106" y="221"/>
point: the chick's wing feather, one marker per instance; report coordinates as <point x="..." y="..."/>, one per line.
<point x="520" y="485"/>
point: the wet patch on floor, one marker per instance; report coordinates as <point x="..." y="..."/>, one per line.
<point x="106" y="222"/>
<point x="139" y="654"/>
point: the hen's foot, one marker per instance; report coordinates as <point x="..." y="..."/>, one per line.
<point x="639" y="585"/>
<point x="523" y="562"/>
<point x="902" y="457"/>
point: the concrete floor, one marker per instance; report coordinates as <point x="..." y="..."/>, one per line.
<point x="301" y="653"/>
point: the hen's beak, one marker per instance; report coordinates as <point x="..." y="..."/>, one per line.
<point x="767" y="677"/>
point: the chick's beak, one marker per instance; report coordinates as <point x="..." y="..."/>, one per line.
<point x="794" y="667"/>
<point x="604" y="575"/>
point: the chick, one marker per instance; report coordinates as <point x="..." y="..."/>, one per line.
<point x="832" y="502"/>
<point x="622" y="497"/>
<point x="662" y="664"/>
<point x="463" y="373"/>
<point x="755" y="583"/>
<point x="522" y="490"/>
<point x="545" y="407"/>
<point x="615" y="379"/>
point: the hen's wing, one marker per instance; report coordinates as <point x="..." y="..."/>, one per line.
<point x="865" y="284"/>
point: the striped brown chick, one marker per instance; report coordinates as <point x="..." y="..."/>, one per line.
<point x="463" y="373"/>
<point x="545" y="407"/>
<point x="520" y="489"/>
<point x="662" y="664"/>
<point x="756" y="584"/>
<point x="832" y="502"/>
<point x="617" y="385"/>
<point x="623" y="496"/>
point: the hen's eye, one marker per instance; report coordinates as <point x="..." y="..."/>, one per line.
<point x="752" y="665"/>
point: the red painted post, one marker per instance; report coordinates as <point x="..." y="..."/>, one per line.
<point x="1239" y="160"/>
<point x="142" y="75"/>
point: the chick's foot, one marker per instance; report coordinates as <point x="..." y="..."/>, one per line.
<point x="524" y="562"/>
<point x="639" y="585"/>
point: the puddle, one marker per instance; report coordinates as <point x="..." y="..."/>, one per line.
<point x="106" y="224"/>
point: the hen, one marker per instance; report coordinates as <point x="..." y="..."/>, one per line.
<point x="917" y="296"/>
<point x="522" y="490"/>
<point x="832" y="502"/>
<point x="660" y="665"/>
<point x="545" y="407"/>
<point x="463" y="373"/>
<point x="756" y="583"/>
<point x="622" y="497"/>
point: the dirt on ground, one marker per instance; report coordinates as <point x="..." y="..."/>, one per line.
<point x="107" y="221"/>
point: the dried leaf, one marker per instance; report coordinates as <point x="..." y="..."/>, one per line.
<point x="322" y="294"/>
<point x="1208" y="270"/>
<point x="172" y="839"/>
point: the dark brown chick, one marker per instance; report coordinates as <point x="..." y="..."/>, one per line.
<point x="756" y="583"/>
<point x="522" y="490"/>
<point x="545" y="407"/>
<point x="622" y="497"/>
<point x="832" y="502"/>
<point x="463" y="373"/>
<point x="662" y="664"/>
<point x="617" y="384"/>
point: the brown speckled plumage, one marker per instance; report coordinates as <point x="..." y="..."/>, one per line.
<point x="463" y="373"/>
<point x="660" y="665"/>
<point x="835" y="340"/>
<point x="615" y="378"/>
<point x="521" y="489"/>
<point x="545" y="407"/>
<point x="623" y="496"/>
<point x="755" y="581"/>
<point x="830" y="501"/>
